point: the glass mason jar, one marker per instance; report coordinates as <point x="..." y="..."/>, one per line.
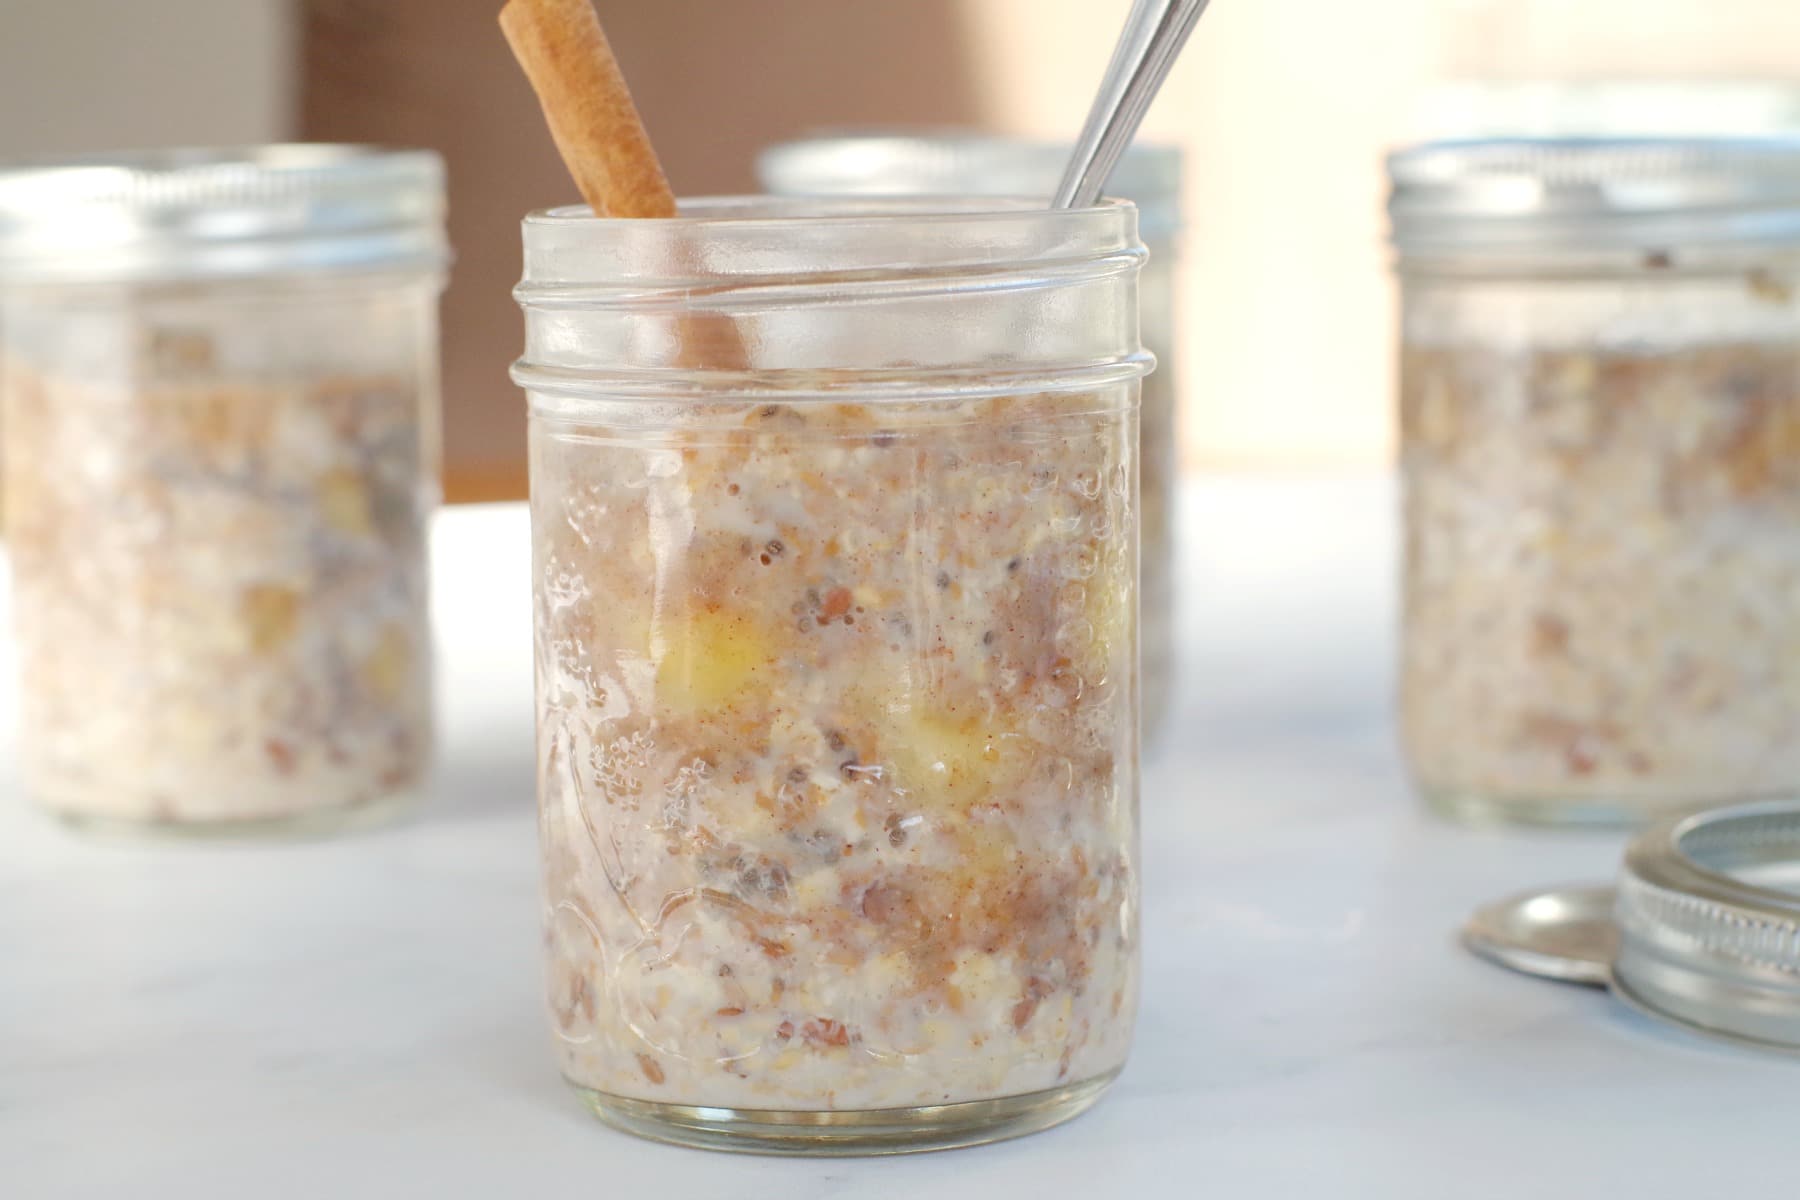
<point x="835" y="572"/>
<point x="219" y="376"/>
<point x="971" y="164"/>
<point x="1600" y="423"/>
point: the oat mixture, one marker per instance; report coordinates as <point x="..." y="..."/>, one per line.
<point x="218" y="572"/>
<point x="837" y="742"/>
<point x="1602" y="584"/>
<point x="1159" y="469"/>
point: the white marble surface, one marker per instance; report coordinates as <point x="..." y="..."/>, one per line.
<point x="361" y="1017"/>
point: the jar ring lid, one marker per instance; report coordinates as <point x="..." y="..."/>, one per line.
<point x="1702" y="929"/>
<point x="1582" y="194"/>
<point x="219" y="213"/>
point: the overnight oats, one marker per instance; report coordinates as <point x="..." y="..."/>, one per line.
<point x="876" y="164"/>
<point x="837" y="698"/>
<point x="217" y="484"/>
<point x="1601" y="459"/>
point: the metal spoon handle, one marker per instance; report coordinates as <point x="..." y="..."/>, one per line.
<point x="1153" y="37"/>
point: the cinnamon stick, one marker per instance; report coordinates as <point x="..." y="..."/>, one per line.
<point x="596" y="126"/>
<point x="597" y="130"/>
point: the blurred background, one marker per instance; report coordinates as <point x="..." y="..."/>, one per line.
<point x="1283" y="108"/>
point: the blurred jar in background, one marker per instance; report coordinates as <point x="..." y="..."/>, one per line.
<point x="219" y="380"/>
<point x="1600" y="431"/>
<point x="969" y="164"/>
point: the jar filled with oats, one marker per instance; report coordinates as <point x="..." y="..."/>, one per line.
<point x="836" y="566"/>
<point x="1600" y="415"/>
<point x="872" y="164"/>
<point x="219" y="376"/>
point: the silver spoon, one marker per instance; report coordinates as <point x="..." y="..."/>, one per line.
<point x="1153" y="36"/>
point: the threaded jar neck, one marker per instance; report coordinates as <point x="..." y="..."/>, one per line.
<point x="797" y="298"/>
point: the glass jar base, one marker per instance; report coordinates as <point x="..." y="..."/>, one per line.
<point x="1587" y="812"/>
<point x="843" y="1134"/>
<point x="312" y="823"/>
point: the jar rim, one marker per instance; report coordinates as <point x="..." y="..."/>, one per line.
<point x="737" y="238"/>
<point x="767" y="262"/>
<point x="745" y="210"/>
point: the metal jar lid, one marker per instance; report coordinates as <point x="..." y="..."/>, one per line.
<point x="1708" y="912"/>
<point x="1704" y="926"/>
<point x="895" y="163"/>
<point x="1583" y="194"/>
<point x="211" y="213"/>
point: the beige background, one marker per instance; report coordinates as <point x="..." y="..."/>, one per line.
<point x="109" y="74"/>
<point x="1283" y="106"/>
